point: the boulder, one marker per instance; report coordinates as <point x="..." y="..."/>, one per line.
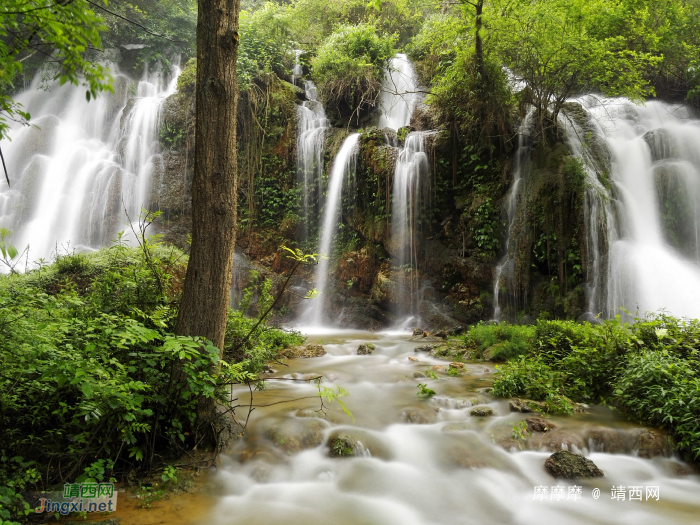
<point x="418" y="332"/>
<point x="457" y="366"/>
<point x="567" y="465"/>
<point x="293" y="436"/>
<point x="559" y="439"/>
<point x="425" y="339"/>
<point x="303" y="351"/>
<point x="650" y="443"/>
<point x="365" y="349"/>
<point x="418" y="417"/>
<point x="481" y="412"/>
<point x="418" y="375"/>
<point x="342" y="445"/>
<point x="423" y="348"/>
<point x="606" y="440"/>
<point x="525" y="406"/>
<point x="539" y="424"/>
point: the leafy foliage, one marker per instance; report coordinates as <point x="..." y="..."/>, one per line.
<point x="350" y="65"/>
<point x="648" y="370"/>
<point x="65" y="31"/>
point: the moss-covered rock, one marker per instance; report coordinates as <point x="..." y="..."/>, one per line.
<point x="564" y="464"/>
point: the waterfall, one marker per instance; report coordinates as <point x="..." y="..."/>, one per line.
<point x="411" y="186"/>
<point x="521" y="160"/>
<point x="297" y="70"/>
<point x="312" y="125"/>
<point x="646" y="215"/>
<point x="344" y="164"/>
<point x="80" y="164"/>
<point x="398" y="97"/>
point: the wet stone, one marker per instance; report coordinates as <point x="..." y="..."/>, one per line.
<point x="557" y="440"/>
<point x="607" y="440"/>
<point x="481" y="412"/>
<point x="303" y="351"/>
<point x="365" y="349"/>
<point x="564" y="464"/>
<point x="418" y="332"/>
<point x="418" y="375"/>
<point x="418" y="417"/>
<point x="423" y="348"/>
<point x="650" y="443"/>
<point x="525" y="406"/>
<point x="539" y="424"/>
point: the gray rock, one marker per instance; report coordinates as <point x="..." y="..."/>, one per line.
<point x="539" y="424"/>
<point x="481" y="412"/>
<point x="567" y="465"/>
<point x="418" y="332"/>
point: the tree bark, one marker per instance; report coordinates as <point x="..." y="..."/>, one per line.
<point x="205" y="297"/>
<point x="478" y="41"/>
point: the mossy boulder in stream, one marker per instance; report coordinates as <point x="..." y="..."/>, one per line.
<point x="303" y="351"/>
<point x="365" y="349"/>
<point x="564" y="464"/>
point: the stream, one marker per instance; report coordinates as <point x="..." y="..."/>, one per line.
<point x="420" y="460"/>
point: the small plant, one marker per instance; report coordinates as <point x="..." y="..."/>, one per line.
<point x="454" y="372"/>
<point x="148" y="496"/>
<point x="429" y="373"/>
<point x="520" y="433"/>
<point x="170" y="474"/>
<point x="424" y="391"/>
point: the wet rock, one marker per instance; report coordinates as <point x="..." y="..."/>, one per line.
<point x="342" y="445"/>
<point x="556" y="440"/>
<point x="260" y="452"/>
<point x="481" y="412"/>
<point x="441" y="333"/>
<point x="457" y="366"/>
<point x="310" y="413"/>
<point x="413" y="359"/>
<point x="425" y="339"/>
<point x="418" y="417"/>
<point x="539" y="424"/>
<point x="365" y="349"/>
<point x="606" y="440"/>
<point x="303" y="351"/>
<point x="525" y="406"/>
<point x="448" y="350"/>
<point x="295" y="435"/>
<point x="439" y="368"/>
<point x="564" y="464"/>
<point x="651" y="443"/>
<point x="423" y="348"/>
<point x="484" y="390"/>
<point x="418" y="332"/>
<point x="418" y="375"/>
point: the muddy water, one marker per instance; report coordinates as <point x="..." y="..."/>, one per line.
<point x="423" y="461"/>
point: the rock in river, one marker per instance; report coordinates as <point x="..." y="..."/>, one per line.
<point x="564" y="464"/>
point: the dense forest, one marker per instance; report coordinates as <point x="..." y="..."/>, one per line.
<point x="209" y="205"/>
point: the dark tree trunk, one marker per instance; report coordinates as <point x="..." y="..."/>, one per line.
<point x="205" y="297"/>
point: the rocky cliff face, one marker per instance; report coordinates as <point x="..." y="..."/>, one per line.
<point x="462" y="225"/>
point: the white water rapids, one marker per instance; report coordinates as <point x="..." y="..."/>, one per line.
<point x="80" y="165"/>
<point x="428" y="462"/>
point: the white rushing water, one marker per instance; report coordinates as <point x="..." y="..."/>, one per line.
<point x="344" y="166"/>
<point x="80" y="164"/>
<point x="647" y="218"/>
<point x="425" y="461"/>
<point x="398" y="98"/>
<point x="520" y="165"/>
<point x="410" y="191"/>
<point x="312" y="125"/>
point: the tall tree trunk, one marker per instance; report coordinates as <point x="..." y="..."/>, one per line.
<point x="478" y="41"/>
<point x="205" y="297"/>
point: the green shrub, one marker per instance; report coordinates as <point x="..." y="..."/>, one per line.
<point x="503" y="341"/>
<point x="349" y="67"/>
<point x="660" y="389"/>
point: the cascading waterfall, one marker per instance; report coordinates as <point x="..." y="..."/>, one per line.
<point x="411" y="184"/>
<point x="647" y="215"/>
<point x="297" y="70"/>
<point x="398" y="97"/>
<point x="81" y="164"/>
<point x="521" y="161"/>
<point x="312" y="125"/>
<point x="344" y="165"/>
